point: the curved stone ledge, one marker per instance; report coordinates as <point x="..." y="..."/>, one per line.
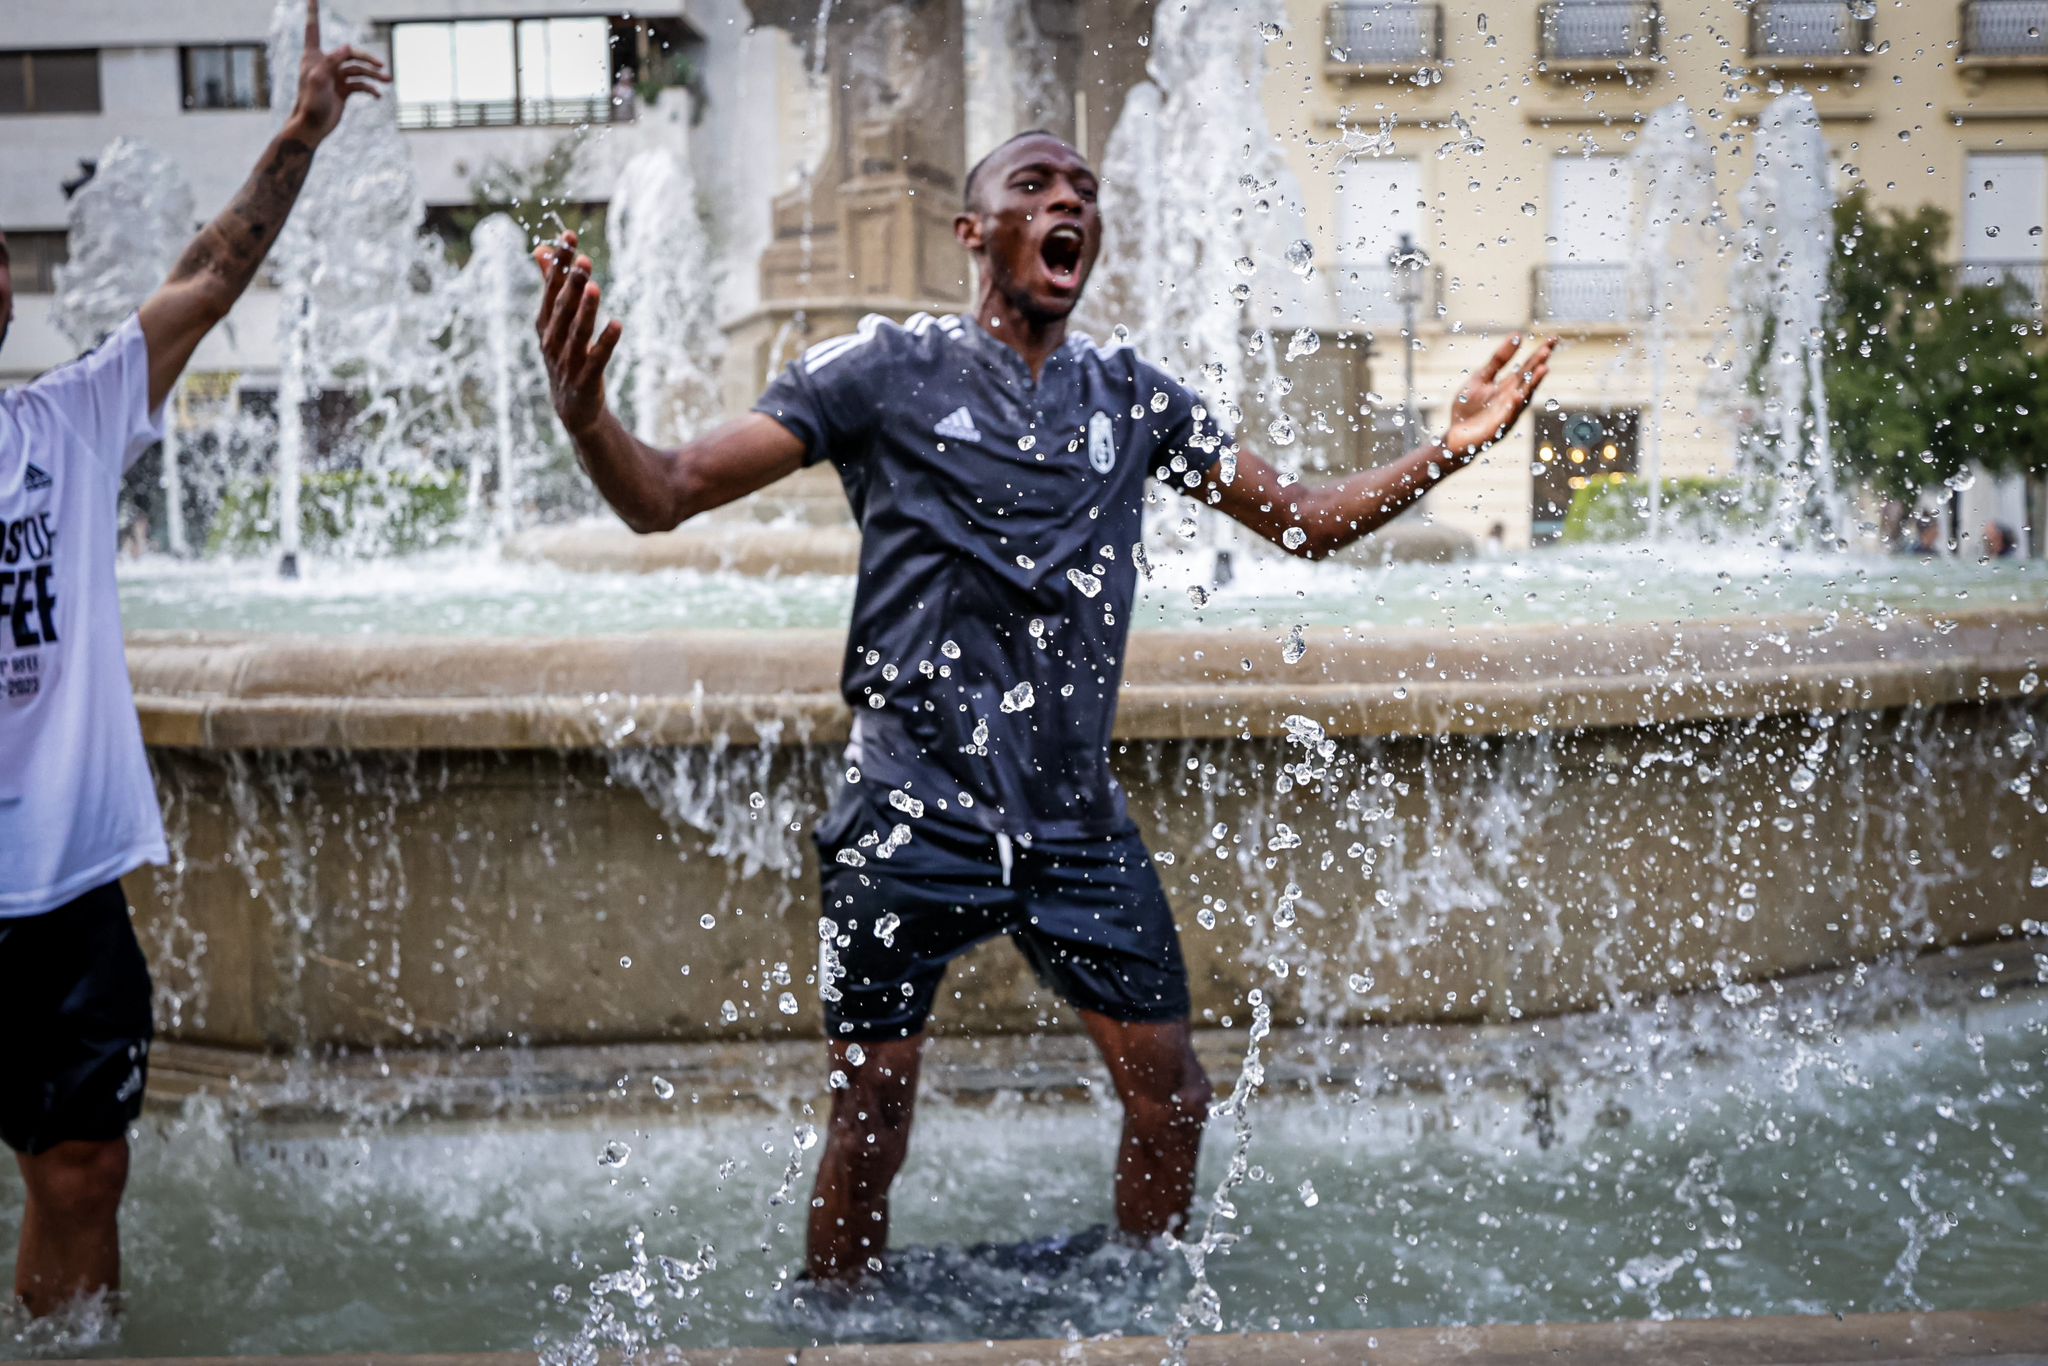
<point x="734" y="547"/>
<point x="749" y="687"/>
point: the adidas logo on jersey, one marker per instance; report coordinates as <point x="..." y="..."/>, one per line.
<point x="958" y="425"/>
<point x="38" y="478"/>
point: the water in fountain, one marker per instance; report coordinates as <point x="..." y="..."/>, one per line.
<point x="1209" y="250"/>
<point x="128" y="224"/>
<point x="1674" y="172"/>
<point x="359" y="280"/>
<point x="495" y="359"/>
<point x="1779" y="293"/>
<point x="664" y="291"/>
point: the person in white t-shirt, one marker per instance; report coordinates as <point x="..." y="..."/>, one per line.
<point x="78" y="808"/>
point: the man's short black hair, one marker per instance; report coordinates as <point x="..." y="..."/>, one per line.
<point x="974" y="175"/>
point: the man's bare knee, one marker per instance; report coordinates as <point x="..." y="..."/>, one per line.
<point x="78" y="1183"/>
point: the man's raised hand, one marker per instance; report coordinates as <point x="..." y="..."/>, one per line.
<point x="327" y="79"/>
<point x="568" y="316"/>
<point x="1490" y="401"/>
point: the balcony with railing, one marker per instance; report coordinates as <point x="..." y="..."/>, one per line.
<point x="1588" y="293"/>
<point x="1369" y="38"/>
<point x="550" y="113"/>
<point x="1808" y="32"/>
<point x="2030" y="276"/>
<point x="2005" y="32"/>
<point x="1598" y="33"/>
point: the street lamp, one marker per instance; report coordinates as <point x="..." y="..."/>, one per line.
<point x="1407" y="262"/>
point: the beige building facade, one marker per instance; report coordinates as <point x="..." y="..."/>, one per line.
<point x="1383" y="109"/>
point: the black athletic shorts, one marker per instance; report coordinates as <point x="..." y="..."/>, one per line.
<point x="74" y="1009"/>
<point x="1089" y="916"/>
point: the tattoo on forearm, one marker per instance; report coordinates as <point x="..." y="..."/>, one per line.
<point x="232" y="246"/>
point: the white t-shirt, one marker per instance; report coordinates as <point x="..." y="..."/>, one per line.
<point x="77" y="805"/>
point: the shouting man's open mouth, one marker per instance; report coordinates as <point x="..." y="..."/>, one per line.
<point x="1061" y="252"/>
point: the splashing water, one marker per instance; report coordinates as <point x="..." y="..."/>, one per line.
<point x="494" y="353"/>
<point x="664" y="295"/>
<point x="1207" y="217"/>
<point x="359" y="280"/>
<point x="1779" y="292"/>
<point x="128" y="224"/>
<point x="1674" y="168"/>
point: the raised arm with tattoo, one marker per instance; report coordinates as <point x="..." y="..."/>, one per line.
<point x="1328" y="517"/>
<point x="224" y="257"/>
<point x="651" y="489"/>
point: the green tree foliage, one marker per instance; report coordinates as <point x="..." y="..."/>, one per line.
<point x="1924" y="377"/>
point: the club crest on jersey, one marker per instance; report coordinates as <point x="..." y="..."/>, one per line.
<point x="1101" y="443"/>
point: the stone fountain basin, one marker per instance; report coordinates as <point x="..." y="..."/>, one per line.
<point x="394" y="842"/>
<point x="688" y="688"/>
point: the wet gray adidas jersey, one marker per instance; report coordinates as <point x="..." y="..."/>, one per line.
<point x="998" y="525"/>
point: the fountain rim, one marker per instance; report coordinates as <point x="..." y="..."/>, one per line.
<point x="1959" y="1335"/>
<point x="714" y="688"/>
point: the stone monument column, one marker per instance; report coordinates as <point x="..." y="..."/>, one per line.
<point x="901" y="85"/>
<point x="871" y="229"/>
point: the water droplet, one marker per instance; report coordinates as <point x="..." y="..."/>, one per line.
<point x="1300" y="256"/>
<point x="886" y="927"/>
<point x="708" y="920"/>
<point x="1086" y="582"/>
<point x="1359" y="982"/>
<point x="1528" y="210"/>
<point x="855" y="1054"/>
<point x="1245" y="265"/>
<point x="1026" y="562"/>
<point x="1026" y="442"/>
<point x="1294" y="538"/>
<point x="907" y="804"/>
<point x="664" y="1088"/>
<point x="1309" y="1196"/>
<point x="1019" y="698"/>
<point x="786" y="1003"/>
<point x="728" y="1012"/>
<point x="1159" y="401"/>
<point x="615" y="1154"/>
<point x="1306" y="341"/>
<point x="1282" y="430"/>
<point x="2039" y="877"/>
<point x="1802" y="779"/>
<point x="1293" y="645"/>
<point x="806" y="1137"/>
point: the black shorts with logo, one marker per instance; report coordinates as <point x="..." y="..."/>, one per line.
<point x="1088" y="915"/>
<point x="75" y="1008"/>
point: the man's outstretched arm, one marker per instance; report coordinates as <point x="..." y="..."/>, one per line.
<point x="1316" y="520"/>
<point x="651" y="489"/>
<point x="223" y="258"/>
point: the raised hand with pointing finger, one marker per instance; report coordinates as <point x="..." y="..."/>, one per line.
<point x="327" y="79"/>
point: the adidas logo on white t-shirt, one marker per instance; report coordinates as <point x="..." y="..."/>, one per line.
<point x="38" y="478"/>
<point x="958" y="425"/>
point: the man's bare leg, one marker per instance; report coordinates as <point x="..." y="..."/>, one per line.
<point x="1166" y="1097"/>
<point x="70" y="1237"/>
<point x="865" y="1144"/>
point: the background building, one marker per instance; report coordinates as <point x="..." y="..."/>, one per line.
<point x="1495" y="138"/>
<point x="1921" y="103"/>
